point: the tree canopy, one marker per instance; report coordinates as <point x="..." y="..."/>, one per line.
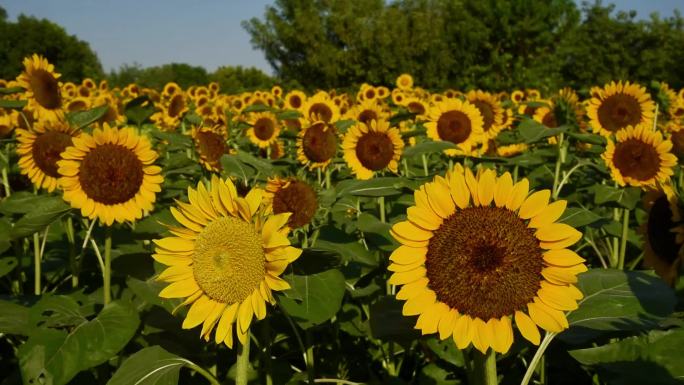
<point x="493" y="44"/>
<point x="72" y="57"/>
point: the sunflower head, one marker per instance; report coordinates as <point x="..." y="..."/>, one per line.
<point x="264" y="130"/>
<point x="455" y="121"/>
<point x="546" y="116"/>
<point x="367" y="110"/>
<point x="210" y="144"/>
<point x="490" y="109"/>
<point x="291" y="195"/>
<point x="8" y="122"/>
<point x="43" y="89"/>
<point x="320" y="107"/>
<point x="224" y="259"/>
<point x="479" y="251"/>
<point x="619" y="105"/>
<point x="639" y="157"/>
<point x="405" y="82"/>
<point x="372" y="147"/>
<point x="110" y="175"/>
<point x="663" y="233"/>
<point x="317" y="144"/>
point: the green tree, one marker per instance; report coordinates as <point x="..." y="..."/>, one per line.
<point x="234" y="79"/>
<point x="156" y="77"/>
<point x="72" y="57"/>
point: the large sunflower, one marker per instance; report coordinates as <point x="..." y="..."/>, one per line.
<point x="210" y="144"/>
<point x="619" y="105"/>
<point x="455" y="121"/>
<point x="264" y="129"/>
<point x="317" y="144"/>
<point x="491" y="110"/>
<point x="291" y="195"/>
<point x="110" y="175"/>
<point x="640" y="157"/>
<point x="477" y="252"/>
<point x="320" y="107"/>
<point x="42" y="88"/>
<point x="663" y="232"/>
<point x="225" y="260"/>
<point x="372" y="147"/>
<point x="294" y="100"/>
<point x="39" y="151"/>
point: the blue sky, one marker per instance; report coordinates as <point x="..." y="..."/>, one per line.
<point x="200" y="32"/>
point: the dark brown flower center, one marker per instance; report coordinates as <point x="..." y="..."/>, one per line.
<point x="370" y="93"/>
<point x="662" y="240"/>
<point x="487" y="112"/>
<point x="210" y="145"/>
<point x="176" y="105"/>
<point x="45" y="89"/>
<point x="636" y="159"/>
<point x="264" y="128"/>
<point x="77" y="105"/>
<point x="454" y="126"/>
<point x="299" y="199"/>
<point x="677" y="139"/>
<point x="46" y="151"/>
<point x="549" y="120"/>
<point x="374" y="150"/>
<point x="111" y="174"/>
<point x="321" y="111"/>
<point x="320" y="142"/>
<point x="367" y="115"/>
<point x="295" y="101"/>
<point x="485" y="262"/>
<point x="109" y="116"/>
<point x="416" y="108"/>
<point x="619" y="111"/>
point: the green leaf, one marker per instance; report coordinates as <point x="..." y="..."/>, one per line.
<point x="45" y="212"/>
<point x="588" y="138"/>
<point x="14" y="319"/>
<point x="232" y="166"/>
<point x="446" y="350"/>
<point x="370" y="224"/>
<point x="321" y="297"/>
<point x="427" y="147"/>
<point x="149" y="366"/>
<point x="532" y="131"/>
<point x="5" y="228"/>
<point x="376" y="187"/>
<point x="20" y="202"/>
<point x="389" y="324"/>
<point x="7" y="264"/>
<point x="338" y="242"/>
<point x="616" y="300"/>
<point x="289" y="115"/>
<point x="13" y="104"/>
<point x="343" y="125"/>
<point x="11" y="90"/>
<point x="55" y="356"/>
<point x="650" y="359"/>
<point x="578" y="217"/>
<point x="139" y="109"/>
<point x="80" y="119"/>
<point x="262" y="166"/>
<point x="627" y="197"/>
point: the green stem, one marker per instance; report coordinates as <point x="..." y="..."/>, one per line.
<point x="623" y="240"/>
<point x="203" y="372"/>
<point x="327" y="178"/>
<point x="559" y="162"/>
<point x="108" y="266"/>
<point x="242" y="363"/>
<point x="5" y="182"/>
<point x="73" y="262"/>
<point x="310" y="370"/>
<point x="616" y="241"/>
<point x="36" y="263"/>
<point x="537" y="356"/>
<point x="406" y="169"/>
<point x="425" y="164"/>
<point x="485" y="367"/>
<point x="515" y="173"/>
<point x="381" y="208"/>
<point x="320" y="178"/>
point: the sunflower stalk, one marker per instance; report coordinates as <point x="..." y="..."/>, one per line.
<point x="484" y="367"/>
<point x="107" y="273"/>
<point x="425" y="165"/>
<point x="310" y="369"/>
<point x="36" y="264"/>
<point x="381" y="209"/>
<point x="241" y="376"/>
<point x="623" y="239"/>
<point x="537" y="357"/>
<point x="559" y="162"/>
<point x="73" y="261"/>
<point x="203" y="372"/>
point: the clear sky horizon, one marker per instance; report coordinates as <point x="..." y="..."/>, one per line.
<point x="206" y="33"/>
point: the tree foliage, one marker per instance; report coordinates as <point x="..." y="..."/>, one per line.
<point x="74" y="58"/>
<point x="156" y="77"/>
<point x="493" y="44"/>
<point x="234" y="79"/>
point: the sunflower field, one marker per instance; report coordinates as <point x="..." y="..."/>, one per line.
<point x="366" y="235"/>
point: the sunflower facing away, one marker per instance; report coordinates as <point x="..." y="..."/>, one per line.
<point x="264" y="129"/>
<point x="110" y="175"/>
<point x="317" y="145"/>
<point x="291" y="195"/>
<point x="39" y="151"/>
<point x="210" y="144"/>
<point x="372" y="147"/>
<point x="225" y="260"/>
<point x="640" y="157"/>
<point x="455" y="121"/>
<point x="663" y="234"/>
<point x="490" y="109"/>
<point x="619" y="105"/>
<point x="478" y="252"/>
<point x="42" y="88"/>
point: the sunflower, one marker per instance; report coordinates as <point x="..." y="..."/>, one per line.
<point x="320" y="107"/>
<point x="405" y="82"/>
<point x="291" y="195"/>
<point x="546" y="116"/>
<point x="511" y="150"/>
<point x="491" y="110"/>
<point x="170" y="89"/>
<point x="39" y="151"/>
<point x="317" y="144"/>
<point x="210" y="144"/>
<point x="225" y="260"/>
<point x="620" y="105"/>
<point x="110" y="175"/>
<point x="640" y="157"/>
<point x="8" y="122"/>
<point x="417" y="106"/>
<point x="78" y="104"/>
<point x="43" y="90"/>
<point x="372" y="147"/>
<point x="366" y="111"/>
<point x="470" y="266"/>
<point x="517" y="96"/>
<point x="264" y="129"/>
<point x="662" y="234"/>
<point x="455" y="121"/>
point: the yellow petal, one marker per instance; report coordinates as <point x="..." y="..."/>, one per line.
<point x="548" y="215"/>
<point x="412" y="289"/>
<point x="175" y="244"/>
<point x="258" y="305"/>
<point x="485" y="187"/>
<point x="227" y="318"/>
<point x="534" y="204"/>
<point x="542" y="317"/>
<point x="503" y="189"/>
<point x="483" y="336"/>
<point x="556" y="232"/>
<point x="275" y="283"/>
<point x="179" y="289"/>
<point x="556" y="296"/>
<point x="198" y="312"/>
<point x="562" y="243"/>
<point x="518" y="194"/>
<point x="459" y="190"/>
<point x="408" y="230"/>
<point x="405" y="277"/>
<point x="429" y="318"/>
<point x="503" y="334"/>
<point x="427" y="219"/>
<point x="447" y="323"/>
<point x="562" y="257"/>
<point x="563" y="274"/>
<point x="463" y="331"/>
<point x="245" y="314"/>
<point x="440" y="199"/>
<point x="527" y="327"/>
<point x="472" y="184"/>
<point x="417" y="304"/>
<point x="405" y="255"/>
<point x="212" y="319"/>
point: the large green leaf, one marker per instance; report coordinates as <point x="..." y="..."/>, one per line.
<point x="627" y="197"/>
<point x="376" y="187"/>
<point x="616" y="300"/>
<point x="532" y="131"/>
<point x="13" y="104"/>
<point x="317" y="297"/>
<point x="149" y="366"/>
<point x="341" y="243"/>
<point x="14" y="319"/>
<point x="54" y="356"/>
<point x="388" y="323"/>
<point x="232" y="166"/>
<point x="20" y="202"/>
<point x="654" y="359"/>
<point x="44" y="212"/>
<point x="578" y="216"/>
<point x="7" y="264"/>
<point x="80" y="119"/>
<point x="427" y="147"/>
